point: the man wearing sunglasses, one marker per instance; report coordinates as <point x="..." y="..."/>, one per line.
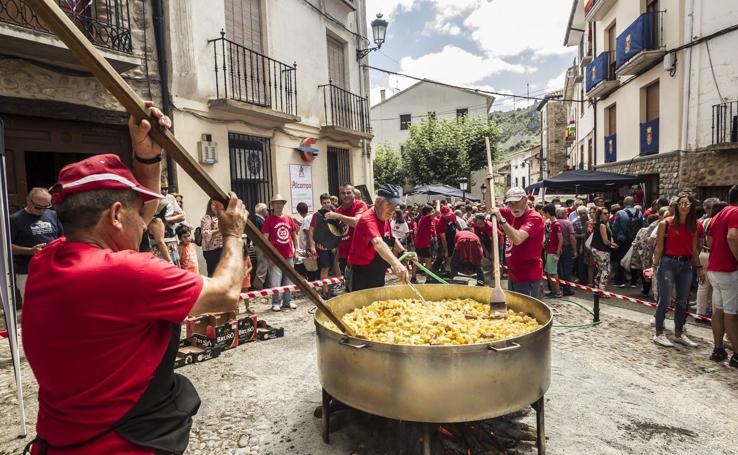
<point x="31" y="228"/>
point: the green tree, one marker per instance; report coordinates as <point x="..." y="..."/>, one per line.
<point x="387" y="166"/>
<point x="444" y="150"/>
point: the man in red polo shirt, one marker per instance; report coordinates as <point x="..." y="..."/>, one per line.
<point x="722" y="271"/>
<point x="423" y="236"/>
<point x="348" y="213"/>
<point x="373" y="248"/>
<point x="101" y="320"/>
<point x="525" y="230"/>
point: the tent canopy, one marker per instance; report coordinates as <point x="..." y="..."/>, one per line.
<point x="442" y="190"/>
<point x="583" y="181"/>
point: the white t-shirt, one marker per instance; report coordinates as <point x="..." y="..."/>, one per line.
<point x="303" y="236"/>
<point x="400" y="230"/>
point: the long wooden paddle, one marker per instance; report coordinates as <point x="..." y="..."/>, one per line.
<point x="497" y="301"/>
<point x="57" y="21"/>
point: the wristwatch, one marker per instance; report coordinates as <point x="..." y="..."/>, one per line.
<point x="502" y="221"/>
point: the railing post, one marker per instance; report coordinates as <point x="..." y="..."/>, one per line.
<point x="293" y="82"/>
<point x="596" y="308"/>
<point x="215" y="57"/>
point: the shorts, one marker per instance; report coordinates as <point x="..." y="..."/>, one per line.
<point x="724" y="291"/>
<point x="325" y="259"/>
<point x="552" y="264"/>
<point x="423" y="252"/>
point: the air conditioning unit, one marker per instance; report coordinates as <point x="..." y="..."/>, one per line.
<point x="207" y="150"/>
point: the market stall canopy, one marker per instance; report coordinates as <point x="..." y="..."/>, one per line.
<point x="442" y="190"/>
<point x="583" y="181"/>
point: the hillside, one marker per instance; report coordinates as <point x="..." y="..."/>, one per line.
<point x="519" y="128"/>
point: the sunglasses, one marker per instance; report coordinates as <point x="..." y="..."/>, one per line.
<point x="41" y="207"/>
<point x="685" y="204"/>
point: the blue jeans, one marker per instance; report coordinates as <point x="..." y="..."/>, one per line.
<point x="276" y="279"/>
<point x="531" y="288"/>
<point x="673" y="274"/>
<point x="566" y="266"/>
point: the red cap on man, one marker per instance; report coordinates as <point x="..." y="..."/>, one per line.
<point x="99" y="172"/>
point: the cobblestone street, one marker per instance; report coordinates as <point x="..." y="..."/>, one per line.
<point x="613" y="391"/>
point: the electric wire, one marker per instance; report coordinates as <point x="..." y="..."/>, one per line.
<point x="336" y="21"/>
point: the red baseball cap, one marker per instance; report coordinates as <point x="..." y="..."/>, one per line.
<point x="99" y="172"/>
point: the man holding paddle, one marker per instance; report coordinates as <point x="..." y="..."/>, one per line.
<point x="101" y="320"/>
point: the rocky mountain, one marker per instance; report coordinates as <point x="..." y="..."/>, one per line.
<point x="519" y="128"/>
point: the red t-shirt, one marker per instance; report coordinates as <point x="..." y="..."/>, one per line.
<point x="679" y="242"/>
<point x="721" y="258"/>
<point x="553" y="238"/>
<point x="425" y="232"/>
<point x="442" y="223"/>
<point x="369" y="226"/>
<point x="486" y="229"/>
<point x="280" y="230"/>
<point x="96" y="324"/>
<point x="357" y="208"/>
<point x="524" y="260"/>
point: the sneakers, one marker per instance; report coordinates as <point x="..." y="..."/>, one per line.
<point x="276" y="308"/>
<point x="661" y="340"/>
<point x="719" y="355"/>
<point x="685" y="341"/>
<point x="733" y="362"/>
<point x="653" y="321"/>
<point x="413" y="280"/>
<point x="633" y="285"/>
<point x="551" y="295"/>
<point x="291" y="306"/>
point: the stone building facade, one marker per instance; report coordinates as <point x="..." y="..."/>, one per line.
<point x="553" y="160"/>
<point x="53" y="110"/>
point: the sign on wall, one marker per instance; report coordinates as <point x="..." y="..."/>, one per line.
<point x="301" y="185"/>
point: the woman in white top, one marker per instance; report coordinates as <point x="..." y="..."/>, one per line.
<point x="400" y="229"/>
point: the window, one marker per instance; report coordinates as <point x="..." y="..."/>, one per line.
<point x="251" y="168"/>
<point x="652" y="102"/>
<point x="523" y="182"/>
<point x="243" y="23"/>
<point x="516" y="181"/>
<point x="461" y="113"/>
<point x="337" y="62"/>
<point x="405" y="121"/>
<point x="611" y="42"/>
<point x="611" y="120"/>
<point x="339" y="168"/>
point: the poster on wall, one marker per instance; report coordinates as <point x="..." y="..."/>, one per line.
<point x="301" y="185"/>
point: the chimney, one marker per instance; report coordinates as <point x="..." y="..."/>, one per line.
<point x="383" y="94"/>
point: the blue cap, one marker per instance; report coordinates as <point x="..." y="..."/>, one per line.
<point x="389" y="192"/>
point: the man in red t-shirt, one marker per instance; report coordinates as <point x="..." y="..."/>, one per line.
<point x="423" y="235"/>
<point x="722" y="271"/>
<point x="483" y="229"/>
<point x="524" y="229"/>
<point x="281" y="231"/>
<point x="101" y="320"/>
<point x="553" y="249"/>
<point x="348" y="213"/>
<point x="373" y="248"/>
<point x="468" y="254"/>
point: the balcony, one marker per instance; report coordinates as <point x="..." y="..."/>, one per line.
<point x="611" y="148"/>
<point x="346" y="114"/>
<point x="641" y="45"/>
<point x="725" y="123"/>
<point x="253" y="85"/>
<point x="601" y="78"/>
<point x="585" y="50"/>
<point x="595" y="10"/>
<point x="650" y="137"/>
<point x="107" y="24"/>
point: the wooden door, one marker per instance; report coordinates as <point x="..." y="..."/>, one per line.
<point x="337" y="62"/>
<point x="611" y="46"/>
<point x="37" y="149"/>
<point x="243" y="23"/>
<point x="652" y="102"/>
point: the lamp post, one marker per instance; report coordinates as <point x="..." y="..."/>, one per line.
<point x="463" y="186"/>
<point x="379" y="31"/>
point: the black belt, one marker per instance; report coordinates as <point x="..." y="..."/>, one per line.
<point x="680" y="258"/>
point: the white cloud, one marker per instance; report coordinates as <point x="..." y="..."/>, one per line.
<point x="556" y="83"/>
<point x="454" y="65"/>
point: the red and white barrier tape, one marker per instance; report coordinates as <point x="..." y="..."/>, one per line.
<point x="290" y="288"/>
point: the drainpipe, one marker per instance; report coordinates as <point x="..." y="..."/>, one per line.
<point x="594" y="103"/>
<point x="163" y="64"/>
<point x="365" y="89"/>
<point x="688" y="79"/>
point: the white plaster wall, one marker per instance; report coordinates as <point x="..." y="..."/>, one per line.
<point x="628" y="96"/>
<point x="418" y="100"/>
<point x="709" y="17"/>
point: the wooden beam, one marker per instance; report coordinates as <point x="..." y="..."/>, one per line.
<point x="58" y="22"/>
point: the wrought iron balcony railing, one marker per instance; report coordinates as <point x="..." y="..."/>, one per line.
<point x="725" y="123"/>
<point x="106" y="23"/>
<point x="344" y="109"/>
<point x="250" y="77"/>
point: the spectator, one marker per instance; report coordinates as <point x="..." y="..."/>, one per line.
<point x="581" y="254"/>
<point x="626" y="225"/>
<point x="187" y="250"/>
<point x="400" y="229"/>
<point x="575" y="210"/>
<point x="302" y="245"/>
<point x="212" y="239"/>
<point x="677" y="250"/>
<point x="568" y="251"/>
<point x="467" y="255"/>
<point x="348" y="213"/>
<point x="704" y="289"/>
<point x="524" y="230"/>
<point x="446" y="227"/>
<point x="322" y="254"/>
<point x="642" y="257"/>
<point x="553" y="250"/>
<point x="424" y="233"/>
<point x="31" y="228"/>
<point x="722" y="270"/>
<point x="171" y="215"/>
<point x="262" y="263"/>
<point x="281" y="231"/>
<point x="335" y="202"/>
<point x="463" y="225"/>
<point x="602" y="244"/>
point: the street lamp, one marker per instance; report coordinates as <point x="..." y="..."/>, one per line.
<point x="379" y="30"/>
<point x="463" y="185"/>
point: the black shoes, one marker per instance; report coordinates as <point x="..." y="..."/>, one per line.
<point x="719" y="354"/>
<point x="733" y="362"/>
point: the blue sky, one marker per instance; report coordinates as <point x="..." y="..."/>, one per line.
<point x="499" y="45"/>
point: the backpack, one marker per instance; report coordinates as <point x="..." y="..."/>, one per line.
<point x="634" y="225"/>
<point x="197" y="236"/>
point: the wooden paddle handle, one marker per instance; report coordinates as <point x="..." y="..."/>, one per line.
<point x="58" y="22"/>
<point x="495" y="239"/>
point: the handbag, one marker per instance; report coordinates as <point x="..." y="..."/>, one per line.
<point x="588" y="242"/>
<point x="625" y="262"/>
